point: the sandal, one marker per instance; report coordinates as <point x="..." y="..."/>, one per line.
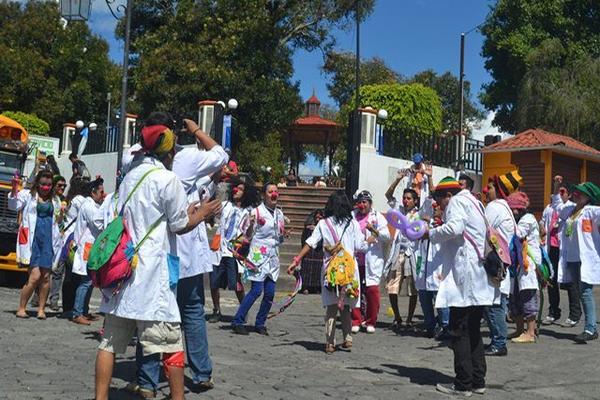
<point x="134" y="388"/>
<point x="347" y="344"/>
<point x="42" y="317"/>
<point x="329" y="348"/>
<point x="22" y="316"/>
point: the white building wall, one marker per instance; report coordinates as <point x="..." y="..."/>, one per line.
<point x="378" y="172"/>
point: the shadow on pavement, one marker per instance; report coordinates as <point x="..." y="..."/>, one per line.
<point x="557" y="335"/>
<point x="420" y="376"/>
<point x="310" y="346"/>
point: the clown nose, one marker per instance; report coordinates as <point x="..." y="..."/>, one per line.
<point x="274" y="196"/>
<point x="234" y="190"/>
<point x="361" y="206"/>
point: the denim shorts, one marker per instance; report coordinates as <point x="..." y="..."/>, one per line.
<point x="225" y="275"/>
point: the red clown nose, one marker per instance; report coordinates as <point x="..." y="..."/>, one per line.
<point x="274" y="196"/>
<point x="361" y="206"/>
<point x="235" y="190"/>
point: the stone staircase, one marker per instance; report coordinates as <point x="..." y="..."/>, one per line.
<point x="297" y="203"/>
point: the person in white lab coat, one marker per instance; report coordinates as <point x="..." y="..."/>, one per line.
<point x="502" y="220"/>
<point x="465" y="286"/>
<point x="427" y="282"/>
<point x="337" y="226"/>
<point x="147" y="301"/>
<point x="524" y="304"/>
<point x="235" y="221"/>
<point x="370" y="263"/>
<point x="580" y="248"/>
<point x="88" y="226"/>
<point x="38" y="239"/>
<point x="198" y="169"/>
<point x="552" y="227"/>
<point x="400" y="267"/>
<point x="268" y="232"/>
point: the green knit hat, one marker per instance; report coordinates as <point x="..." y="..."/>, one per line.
<point x="590" y="190"/>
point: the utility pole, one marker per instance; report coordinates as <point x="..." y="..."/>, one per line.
<point x="123" y="121"/>
<point x="354" y="126"/>
<point x="460" y="148"/>
<point x="108" y="98"/>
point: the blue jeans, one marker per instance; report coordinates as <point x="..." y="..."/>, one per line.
<point x="268" y="286"/>
<point x="427" y="300"/>
<point x="190" y="299"/>
<point x="589" y="307"/>
<point x="496" y="319"/>
<point x="83" y="293"/>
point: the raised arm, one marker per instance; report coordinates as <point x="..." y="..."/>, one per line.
<point x="389" y="194"/>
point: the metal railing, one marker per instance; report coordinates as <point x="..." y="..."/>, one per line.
<point x="103" y="141"/>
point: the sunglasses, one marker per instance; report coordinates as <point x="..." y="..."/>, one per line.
<point x="61" y="185"/>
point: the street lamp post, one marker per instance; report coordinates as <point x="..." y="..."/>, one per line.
<point x="79" y="10"/>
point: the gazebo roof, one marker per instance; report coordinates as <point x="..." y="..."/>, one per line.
<point x="312" y="128"/>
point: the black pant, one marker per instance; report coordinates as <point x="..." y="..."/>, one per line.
<point x="553" y="289"/>
<point x="469" y="356"/>
<point x="574" y="292"/>
<point x="68" y="290"/>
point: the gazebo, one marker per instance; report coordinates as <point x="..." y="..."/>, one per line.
<point x="312" y="129"/>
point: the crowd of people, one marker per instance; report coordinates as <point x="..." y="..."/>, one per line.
<point x="167" y="195"/>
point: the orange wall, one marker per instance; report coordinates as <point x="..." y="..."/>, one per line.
<point x="496" y="164"/>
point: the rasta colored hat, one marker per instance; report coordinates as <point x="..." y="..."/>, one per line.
<point x="363" y="195"/>
<point x="507" y="183"/>
<point x="590" y="190"/>
<point x="447" y="184"/>
<point x="157" y="139"/>
<point x="518" y="201"/>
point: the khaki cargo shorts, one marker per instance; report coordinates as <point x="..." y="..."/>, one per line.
<point x="399" y="275"/>
<point x="154" y="336"/>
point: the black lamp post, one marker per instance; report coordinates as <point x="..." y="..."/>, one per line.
<point x="79" y="10"/>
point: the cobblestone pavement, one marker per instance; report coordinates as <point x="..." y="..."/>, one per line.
<point x="54" y="359"/>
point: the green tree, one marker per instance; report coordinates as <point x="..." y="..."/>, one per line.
<point x="185" y="51"/>
<point x="59" y="74"/>
<point x="560" y="98"/>
<point x="447" y="87"/>
<point x="340" y="67"/>
<point x="31" y="122"/>
<point x="514" y="29"/>
<point x="255" y="155"/>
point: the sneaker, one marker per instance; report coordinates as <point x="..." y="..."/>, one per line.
<point x="54" y="306"/>
<point x="586" y="336"/>
<point x="370" y="329"/>
<point x="443" y="335"/>
<point x="494" y="352"/>
<point x="143" y="393"/>
<point x="450" y="389"/>
<point x="549" y="320"/>
<point x="215" y="317"/>
<point x="240" y="330"/>
<point x="479" y="390"/>
<point x="262" y="330"/>
<point x="569" y="323"/>
<point x="203" y="386"/>
<point x="355" y="329"/>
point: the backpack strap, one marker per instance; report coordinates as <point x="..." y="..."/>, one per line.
<point x="148" y="233"/>
<point x="333" y="232"/>
<point x="137" y="185"/>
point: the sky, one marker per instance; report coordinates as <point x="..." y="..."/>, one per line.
<point x="409" y="35"/>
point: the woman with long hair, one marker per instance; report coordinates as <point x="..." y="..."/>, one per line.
<point x="235" y="220"/>
<point x="39" y="237"/>
<point x="268" y="232"/>
<point x="338" y="231"/>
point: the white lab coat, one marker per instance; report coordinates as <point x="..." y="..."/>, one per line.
<point x="352" y="240"/>
<point x="147" y="295"/>
<point x="269" y="235"/>
<point x="501" y="218"/>
<point x="464" y="282"/>
<point x="194" y="168"/>
<point x="428" y="276"/>
<point x="88" y="226"/>
<point x="528" y="228"/>
<point x="241" y="222"/>
<point x="25" y="203"/>
<point x="402" y="245"/>
<point x="72" y="213"/>
<point x="587" y="229"/>
<point x="374" y="257"/>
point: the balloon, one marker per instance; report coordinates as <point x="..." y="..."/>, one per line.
<point x="412" y="230"/>
<point x="415" y="230"/>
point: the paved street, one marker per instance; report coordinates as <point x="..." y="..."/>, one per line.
<point x="54" y="359"/>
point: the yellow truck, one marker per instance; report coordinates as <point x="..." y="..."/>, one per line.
<point x="13" y="153"/>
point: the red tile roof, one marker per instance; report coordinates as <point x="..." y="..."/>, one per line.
<point x="539" y="139"/>
<point x="314" y="120"/>
<point x="313" y="100"/>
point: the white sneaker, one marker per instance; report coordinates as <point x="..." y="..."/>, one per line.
<point x="450" y="389"/>
<point x="355" y="329"/>
<point x="370" y="329"/>
<point x="569" y="323"/>
<point x="549" y="320"/>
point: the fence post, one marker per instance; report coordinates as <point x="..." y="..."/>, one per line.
<point x="68" y="131"/>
